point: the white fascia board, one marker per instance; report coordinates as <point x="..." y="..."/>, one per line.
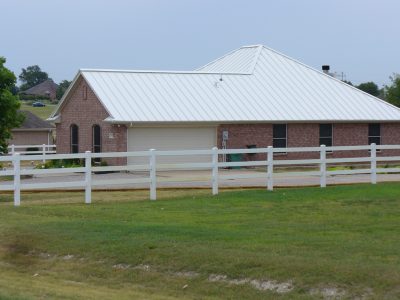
<point x="124" y="122"/>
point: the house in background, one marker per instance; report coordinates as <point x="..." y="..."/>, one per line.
<point x="33" y="131"/>
<point x="251" y="97"/>
<point x="46" y="89"/>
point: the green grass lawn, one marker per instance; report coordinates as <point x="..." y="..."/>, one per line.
<point x="41" y="112"/>
<point x="304" y="243"/>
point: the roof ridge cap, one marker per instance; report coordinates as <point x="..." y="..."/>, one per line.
<point x="253" y="64"/>
<point x="219" y="58"/>
<point x="256" y="58"/>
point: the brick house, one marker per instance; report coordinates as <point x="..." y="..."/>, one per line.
<point x="46" y="88"/>
<point x="251" y="97"/>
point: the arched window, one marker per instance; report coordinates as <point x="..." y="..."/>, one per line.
<point x="74" y="140"/>
<point x="96" y="139"/>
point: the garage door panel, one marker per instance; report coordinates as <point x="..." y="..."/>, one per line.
<point x="171" y="138"/>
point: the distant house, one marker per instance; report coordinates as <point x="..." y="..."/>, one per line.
<point x="47" y="89"/>
<point x="251" y="97"/>
<point x="33" y="131"/>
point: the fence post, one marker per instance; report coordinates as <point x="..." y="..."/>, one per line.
<point x="153" y="177"/>
<point x="17" y="178"/>
<point x="373" y="163"/>
<point x="214" y="179"/>
<point x="44" y="152"/>
<point x="88" y="178"/>
<point x="270" y="168"/>
<point x="323" y="166"/>
<point x="12" y="149"/>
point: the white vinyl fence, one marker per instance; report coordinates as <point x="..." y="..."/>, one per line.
<point x="42" y="150"/>
<point x="213" y="165"/>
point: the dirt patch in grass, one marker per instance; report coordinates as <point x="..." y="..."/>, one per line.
<point x="261" y="285"/>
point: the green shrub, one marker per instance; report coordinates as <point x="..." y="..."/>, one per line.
<point x="68" y="163"/>
<point x="61" y="163"/>
<point x="25" y="97"/>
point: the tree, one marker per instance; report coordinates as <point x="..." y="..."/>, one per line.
<point x="370" y="88"/>
<point x="9" y="105"/>
<point x="393" y="91"/>
<point x="62" y="87"/>
<point x="348" y="82"/>
<point x="32" y="76"/>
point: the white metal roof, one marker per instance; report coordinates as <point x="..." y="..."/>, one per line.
<point x="242" y="61"/>
<point x="258" y="84"/>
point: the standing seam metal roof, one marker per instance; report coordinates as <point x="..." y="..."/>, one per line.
<point x="258" y="84"/>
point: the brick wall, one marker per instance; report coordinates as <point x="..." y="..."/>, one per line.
<point x="307" y="135"/>
<point x="390" y="136"/>
<point x="243" y="135"/>
<point x="85" y="113"/>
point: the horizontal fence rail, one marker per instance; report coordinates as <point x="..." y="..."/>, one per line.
<point x="151" y="165"/>
<point x="41" y="150"/>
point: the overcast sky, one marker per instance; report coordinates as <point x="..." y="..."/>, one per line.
<point x="357" y="37"/>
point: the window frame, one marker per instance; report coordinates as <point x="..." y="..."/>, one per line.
<point x="74" y="147"/>
<point x="94" y="145"/>
<point x="375" y="136"/>
<point x="326" y="137"/>
<point x="280" y="138"/>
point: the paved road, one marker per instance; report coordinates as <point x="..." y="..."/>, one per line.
<point x="181" y="179"/>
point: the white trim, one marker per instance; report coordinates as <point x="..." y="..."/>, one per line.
<point x="162" y="72"/>
<point x="66" y="94"/>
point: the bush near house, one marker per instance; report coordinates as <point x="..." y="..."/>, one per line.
<point x="61" y="163"/>
<point x="32" y="98"/>
<point x="68" y="163"/>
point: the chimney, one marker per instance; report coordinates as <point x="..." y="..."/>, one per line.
<point x="325" y="69"/>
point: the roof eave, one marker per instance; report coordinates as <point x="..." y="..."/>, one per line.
<point x="133" y="122"/>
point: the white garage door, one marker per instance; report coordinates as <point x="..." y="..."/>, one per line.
<point x="171" y="138"/>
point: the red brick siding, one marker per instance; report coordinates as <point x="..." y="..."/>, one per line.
<point x="352" y="134"/>
<point x="241" y="135"/>
<point x="307" y="135"/>
<point x="390" y="135"/>
<point x="85" y="113"/>
<point x="302" y="135"/>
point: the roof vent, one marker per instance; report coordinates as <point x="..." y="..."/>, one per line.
<point x="325" y="69"/>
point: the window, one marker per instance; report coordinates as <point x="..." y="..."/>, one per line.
<point x="84" y="92"/>
<point x="374" y="134"/>
<point x="96" y="136"/>
<point x="74" y="138"/>
<point x="325" y="134"/>
<point x="279" y="136"/>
